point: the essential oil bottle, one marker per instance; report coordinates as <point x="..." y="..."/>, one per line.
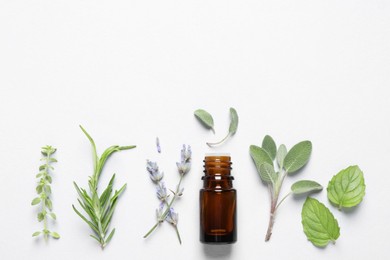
<point x="218" y="203"/>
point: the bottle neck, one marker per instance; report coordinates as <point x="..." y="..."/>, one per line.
<point x="217" y="171"/>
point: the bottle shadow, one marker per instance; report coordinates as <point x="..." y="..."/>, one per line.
<point x="217" y="251"/>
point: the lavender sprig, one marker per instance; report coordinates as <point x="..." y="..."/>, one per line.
<point x="165" y="212"/>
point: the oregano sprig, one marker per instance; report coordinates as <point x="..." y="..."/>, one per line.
<point x="99" y="208"/>
<point x="44" y="191"/>
<point x="288" y="162"/>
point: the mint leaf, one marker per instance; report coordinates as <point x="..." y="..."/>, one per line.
<point x="205" y="118"/>
<point x="318" y="223"/>
<point x="267" y="173"/>
<point x="298" y="156"/>
<point x="347" y="188"/>
<point x="305" y="186"/>
<point x="270" y="146"/>
<point x="281" y="154"/>
<point x="259" y="156"/>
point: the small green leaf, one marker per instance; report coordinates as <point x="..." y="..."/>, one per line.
<point x="318" y="223"/>
<point x="281" y="154"/>
<point x="48" y="178"/>
<point x="233" y="121"/>
<point x="270" y="146"/>
<point x="259" y="156"/>
<point x="55" y="235"/>
<point x="298" y="156"/>
<point x="40" y="216"/>
<point x="39" y="189"/>
<point x="305" y="186"/>
<point x="42" y="167"/>
<point x="53" y="216"/>
<point x="47" y="190"/>
<point x="267" y="173"/>
<point x="205" y="118"/>
<point x="49" y="204"/>
<point x="347" y="188"/>
<point x="36" y="201"/>
<point x="110" y="236"/>
<point x="53" y="160"/>
<point x="36" y="233"/>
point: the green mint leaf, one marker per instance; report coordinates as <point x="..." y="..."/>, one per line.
<point x="233" y="121"/>
<point x="36" y="201"/>
<point x="305" y="186"/>
<point x="267" y="173"/>
<point x="205" y="118"/>
<point x="280" y="155"/>
<point x="270" y="146"/>
<point x="298" y="156"/>
<point x="347" y="188"/>
<point x="318" y="223"/>
<point x="259" y="156"/>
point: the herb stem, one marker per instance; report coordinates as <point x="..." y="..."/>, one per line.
<point x="165" y="214"/>
<point x="220" y="142"/>
<point x="280" y="202"/>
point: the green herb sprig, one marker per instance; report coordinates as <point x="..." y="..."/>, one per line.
<point x="44" y="191"/>
<point x="288" y="162"/>
<point x="99" y="208"/>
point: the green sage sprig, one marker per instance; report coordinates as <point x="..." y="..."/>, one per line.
<point x="44" y="191"/>
<point x="99" y="208"/>
<point x="288" y="162"/>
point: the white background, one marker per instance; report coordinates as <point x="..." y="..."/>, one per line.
<point x="129" y="71"/>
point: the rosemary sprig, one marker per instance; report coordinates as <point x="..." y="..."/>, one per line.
<point x="99" y="208"/>
<point x="44" y="191"/>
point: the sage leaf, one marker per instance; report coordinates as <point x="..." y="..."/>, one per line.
<point x="305" y="186"/>
<point x="232" y="128"/>
<point x="270" y="146"/>
<point x="259" y="156"/>
<point x="347" y="188"/>
<point x="318" y="223"/>
<point x="205" y="118"/>
<point x="267" y="173"/>
<point x="298" y="156"/>
<point x="233" y="121"/>
<point x="281" y="154"/>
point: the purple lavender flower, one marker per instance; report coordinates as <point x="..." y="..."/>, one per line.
<point x="155" y="174"/>
<point x="184" y="166"/>
<point x="158" y="145"/>
<point x="172" y="217"/>
<point x="161" y="191"/>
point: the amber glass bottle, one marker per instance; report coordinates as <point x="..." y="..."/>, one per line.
<point x="218" y="202"/>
